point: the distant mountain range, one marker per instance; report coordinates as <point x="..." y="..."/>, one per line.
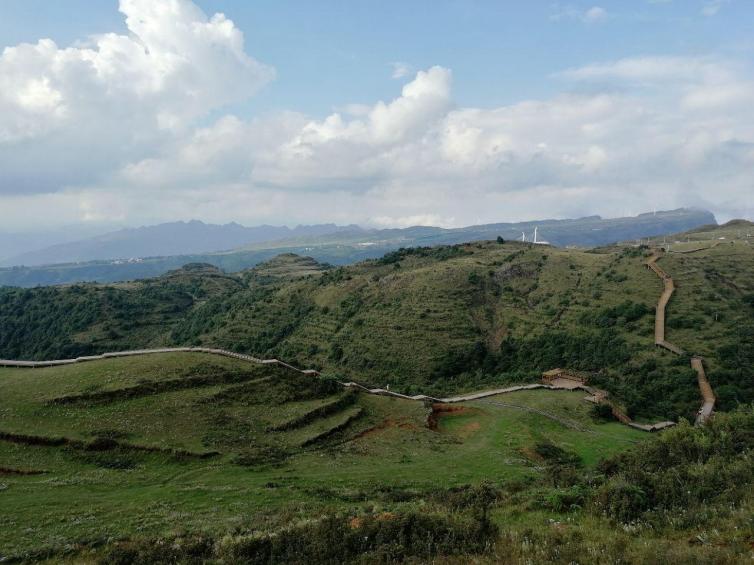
<point x="152" y="251"/>
<point x="175" y="238"/>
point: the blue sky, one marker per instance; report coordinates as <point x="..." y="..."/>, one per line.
<point x="330" y="53"/>
<point x="380" y="113"/>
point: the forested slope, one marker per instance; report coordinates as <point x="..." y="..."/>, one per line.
<point x="434" y="320"/>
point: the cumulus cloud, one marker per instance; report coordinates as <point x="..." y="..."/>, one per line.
<point x="117" y="96"/>
<point x="109" y="132"/>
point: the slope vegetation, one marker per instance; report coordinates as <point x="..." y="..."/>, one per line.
<point x="437" y="320"/>
<point x="124" y="447"/>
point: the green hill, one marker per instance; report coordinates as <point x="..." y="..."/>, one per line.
<point x="436" y="320"/>
<point x="190" y="457"/>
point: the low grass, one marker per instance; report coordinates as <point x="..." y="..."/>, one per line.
<point x="91" y="496"/>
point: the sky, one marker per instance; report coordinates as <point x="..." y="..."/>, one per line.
<point x="436" y="112"/>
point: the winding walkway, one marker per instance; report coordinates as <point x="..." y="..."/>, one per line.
<point x="222" y="352"/>
<point x="597" y="396"/>
<point x="697" y="363"/>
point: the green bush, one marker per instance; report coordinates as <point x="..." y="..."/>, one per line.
<point x="621" y="500"/>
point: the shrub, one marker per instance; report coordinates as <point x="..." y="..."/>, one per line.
<point x="621" y="500"/>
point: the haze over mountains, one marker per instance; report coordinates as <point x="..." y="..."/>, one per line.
<point x="151" y="251"/>
<point x="174" y="238"/>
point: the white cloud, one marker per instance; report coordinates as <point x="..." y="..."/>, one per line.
<point x="593" y="15"/>
<point x="712" y="7"/>
<point x="400" y="69"/>
<point x="108" y="133"/>
<point x="117" y="96"/>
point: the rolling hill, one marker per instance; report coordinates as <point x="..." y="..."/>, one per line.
<point x="187" y="458"/>
<point x="435" y="320"/>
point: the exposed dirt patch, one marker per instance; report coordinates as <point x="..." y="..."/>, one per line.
<point x="529" y="453"/>
<point x="356" y="522"/>
<point x="470" y="428"/>
<point x="385" y="425"/>
<point x="448" y="410"/>
<point x="440" y="408"/>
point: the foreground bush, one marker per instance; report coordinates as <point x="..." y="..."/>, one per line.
<point x="685" y="470"/>
<point x="382" y="538"/>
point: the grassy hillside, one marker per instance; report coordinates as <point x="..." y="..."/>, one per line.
<point x="126" y="445"/>
<point x="437" y="320"/>
<point x="193" y="458"/>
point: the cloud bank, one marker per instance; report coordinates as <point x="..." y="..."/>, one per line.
<point x="115" y="130"/>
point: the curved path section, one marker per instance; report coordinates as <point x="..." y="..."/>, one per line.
<point x="223" y="352"/>
<point x="596" y="394"/>
<point x="697" y="363"/>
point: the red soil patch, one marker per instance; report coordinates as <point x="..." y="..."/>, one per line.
<point x="531" y="455"/>
<point x="446" y="410"/>
<point x="356" y="522"/>
<point x="387" y="424"/>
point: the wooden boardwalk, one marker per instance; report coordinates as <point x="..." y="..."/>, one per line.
<point x="597" y="395"/>
<point x="697" y="363"/>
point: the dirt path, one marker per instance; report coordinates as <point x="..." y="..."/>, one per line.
<point x="697" y="363"/>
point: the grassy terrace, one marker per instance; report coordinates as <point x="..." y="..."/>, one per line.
<point x="261" y="478"/>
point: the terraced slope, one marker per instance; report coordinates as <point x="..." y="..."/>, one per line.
<point x="113" y="448"/>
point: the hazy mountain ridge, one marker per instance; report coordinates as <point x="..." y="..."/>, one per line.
<point x="174" y="238"/>
<point x="349" y="244"/>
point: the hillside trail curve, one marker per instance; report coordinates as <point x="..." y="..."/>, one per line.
<point x="597" y="396"/>
<point x="697" y="362"/>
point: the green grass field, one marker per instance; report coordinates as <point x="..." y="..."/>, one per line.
<point x="261" y="478"/>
